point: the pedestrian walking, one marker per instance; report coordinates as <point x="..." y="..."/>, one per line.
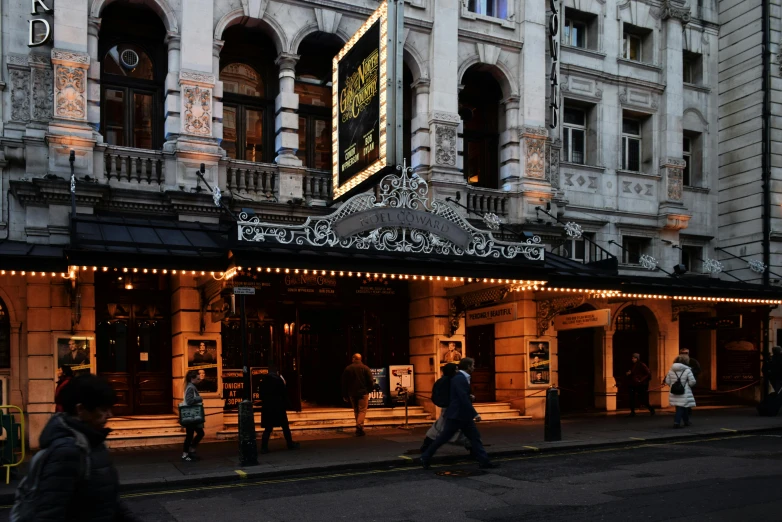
<point x="72" y="477"/>
<point x="449" y="370"/>
<point x="274" y="408"/>
<point x="357" y="383"/>
<point x="773" y="369"/>
<point x="460" y="415"/>
<point x="192" y="397"/>
<point x="681" y="381"/>
<point x="695" y="367"/>
<point x="639" y="376"/>
<point x="65" y="374"/>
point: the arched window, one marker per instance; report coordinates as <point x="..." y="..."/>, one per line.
<point x="5" y="337"/>
<point x="313" y="85"/>
<point x="133" y="69"/>
<point x="246" y="64"/>
<point x="479" y="108"/>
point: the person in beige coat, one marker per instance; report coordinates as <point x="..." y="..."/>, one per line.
<point x="681" y="396"/>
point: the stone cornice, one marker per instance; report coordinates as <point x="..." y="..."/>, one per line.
<point x="613" y="79"/>
<point x="474" y="36"/>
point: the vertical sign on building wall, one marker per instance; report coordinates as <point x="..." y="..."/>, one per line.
<point x="553" y="40"/>
<point x="40" y="31"/>
<point x="367" y="101"/>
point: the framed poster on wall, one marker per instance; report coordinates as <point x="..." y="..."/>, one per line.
<point x="539" y="365"/>
<point x="202" y="354"/>
<point x="450" y="351"/>
<point x="75" y="352"/>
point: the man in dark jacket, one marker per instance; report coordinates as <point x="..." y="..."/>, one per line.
<point x="695" y="366"/>
<point x="639" y="376"/>
<point x="357" y="383"/>
<point x="773" y="369"/>
<point x="274" y="397"/>
<point x="460" y="415"/>
<point x="75" y="438"/>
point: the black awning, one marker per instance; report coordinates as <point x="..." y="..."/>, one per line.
<point x="18" y="255"/>
<point x="697" y="286"/>
<point x="147" y="243"/>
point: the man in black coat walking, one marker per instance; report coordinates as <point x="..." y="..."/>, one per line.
<point x="357" y="384"/>
<point x="274" y="397"/>
<point x="460" y="415"/>
<point x="67" y="492"/>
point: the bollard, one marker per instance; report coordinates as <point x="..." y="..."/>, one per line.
<point x="552" y="426"/>
<point x="248" y="447"/>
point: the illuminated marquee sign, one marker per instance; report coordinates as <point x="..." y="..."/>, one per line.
<point x="366" y="102"/>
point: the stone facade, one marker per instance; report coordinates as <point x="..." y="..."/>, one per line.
<point x="52" y="103"/>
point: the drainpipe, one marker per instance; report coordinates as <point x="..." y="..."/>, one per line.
<point x="766" y="137"/>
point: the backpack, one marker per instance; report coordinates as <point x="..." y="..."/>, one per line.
<point x="27" y="495"/>
<point x="441" y="392"/>
<point x="677" y="388"/>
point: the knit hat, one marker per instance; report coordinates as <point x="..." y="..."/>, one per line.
<point x="637" y="356"/>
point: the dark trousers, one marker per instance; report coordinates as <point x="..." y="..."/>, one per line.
<point x="682" y="414"/>
<point x="191" y="442"/>
<point x="469" y="429"/>
<point x="640" y="394"/>
<point x="286" y="431"/>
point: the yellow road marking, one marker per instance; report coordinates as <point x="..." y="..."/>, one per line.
<point x="405" y="457"/>
<point x="241" y="473"/>
<point x="730" y="430"/>
<point x="532" y="448"/>
<point x="636" y="438"/>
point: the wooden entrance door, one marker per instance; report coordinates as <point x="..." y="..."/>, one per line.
<point x="134" y="343"/>
<point x="480" y="346"/>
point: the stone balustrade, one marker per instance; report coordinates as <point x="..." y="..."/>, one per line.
<point x="253" y="180"/>
<point x="137" y="166"/>
<point x="487" y="200"/>
<point x="317" y="186"/>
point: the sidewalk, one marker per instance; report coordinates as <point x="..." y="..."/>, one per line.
<point x="161" y="467"/>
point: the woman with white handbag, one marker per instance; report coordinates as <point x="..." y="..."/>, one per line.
<point x="191" y="416"/>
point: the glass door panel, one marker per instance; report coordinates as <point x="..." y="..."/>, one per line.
<point x="142" y="120"/>
<point x="229" y="131"/>
<point x="114" y="116"/>
<point x="253" y="135"/>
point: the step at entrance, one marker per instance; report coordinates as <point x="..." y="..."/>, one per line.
<point x="498" y="411"/>
<point x="144" y="430"/>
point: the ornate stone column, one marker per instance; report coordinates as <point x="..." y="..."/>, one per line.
<point x="93" y="74"/>
<point x="510" y="168"/>
<point x="172" y="95"/>
<point x="196" y="143"/>
<point x="286" y="121"/>
<point x="419" y="127"/>
<point x="15" y="390"/>
<point x="217" y="120"/>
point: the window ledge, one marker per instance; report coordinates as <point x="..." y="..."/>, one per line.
<point x="638" y="174"/>
<point x="585" y="51"/>
<point x="580" y="166"/>
<point x="640" y="65"/>
<point x="506" y="23"/>
<point x="702" y="190"/>
<point x="697" y="88"/>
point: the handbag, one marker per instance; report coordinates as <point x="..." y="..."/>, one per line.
<point x="191" y="416"/>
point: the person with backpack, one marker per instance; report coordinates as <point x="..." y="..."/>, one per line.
<point x="72" y="478"/>
<point x="65" y="374"/>
<point x="441" y="397"/>
<point x="681" y="381"/>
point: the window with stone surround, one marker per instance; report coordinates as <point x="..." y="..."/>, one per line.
<point x="313" y="85"/>
<point x="574" y="131"/>
<point x="633" y="248"/>
<point x="5" y="337"/>
<point x="493" y="8"/>
<point x="479" y="108"/>
<point x="692" y="258"/>
<point x="631" y="144"/>
<point x="134" y="64"/>
<point x="248" y="74"/>
<point x="578" y="249"/>
<point x="692" y="153"/>
<point x="637" y="43"/>
<point x="580" y="29"/>
<point x="692" y="68"/>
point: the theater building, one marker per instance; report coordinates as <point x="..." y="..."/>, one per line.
<point x="548" y="243"/>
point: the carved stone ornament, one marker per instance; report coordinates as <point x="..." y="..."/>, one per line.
<point x="197" y="105"/>
<point x="678" y="12"/>
<point x="403" y="220"/>
<point x="444" y="117"/>
<point x="43" y="102"/>
<point x="70" y="57"/>
<point x="537" y="132"/>
<point x="549" y="308"/>
<point x="20" y="94"/>
<point x="536" y="158"/>
<point x="674" y="175"/>
<point x="445" y="145"/>
<point x="70" y="97"/>
<point x="207" y="80"/>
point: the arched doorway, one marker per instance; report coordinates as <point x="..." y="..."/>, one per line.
<point x="576" y="365"/>
<point x="631" y="335"/>
<point x="479" y="108"/>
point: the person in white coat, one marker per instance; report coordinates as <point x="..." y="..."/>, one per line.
<point x="681" y="372"/>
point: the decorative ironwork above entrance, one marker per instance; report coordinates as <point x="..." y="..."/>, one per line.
<point x="404" y="220"/>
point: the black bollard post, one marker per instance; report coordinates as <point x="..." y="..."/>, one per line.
<point x="552" y="426"/>
<point x="248" y="447"/>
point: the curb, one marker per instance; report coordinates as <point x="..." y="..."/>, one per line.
<point x="156" y="484"/>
